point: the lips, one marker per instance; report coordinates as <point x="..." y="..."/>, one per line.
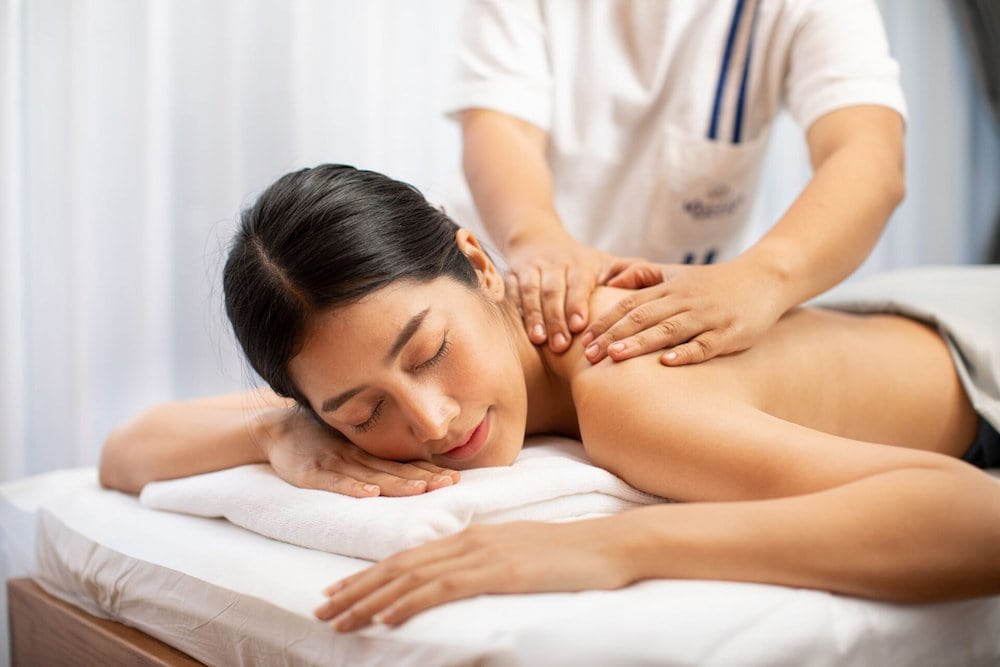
<point x="473" y="442"/>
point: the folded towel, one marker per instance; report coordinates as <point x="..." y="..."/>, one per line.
<point x="551" y="480"/>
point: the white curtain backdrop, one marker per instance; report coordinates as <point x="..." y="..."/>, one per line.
<point x="132" y="131"/>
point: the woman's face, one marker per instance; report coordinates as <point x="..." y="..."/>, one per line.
<point x="419" y="371"/>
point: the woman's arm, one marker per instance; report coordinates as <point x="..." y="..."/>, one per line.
<point x="811" y="509"/>
<point x="182" y="438"/>
<point x="911" y="535"/>
<point x="927" y="531"/>
<point x="190" y="437"/>
<point x="915" y="534"/>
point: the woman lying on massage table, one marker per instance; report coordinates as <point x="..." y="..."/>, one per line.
<point x="827" y="456"/>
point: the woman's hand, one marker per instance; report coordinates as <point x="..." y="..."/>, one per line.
<point x="309" y="456"/>
<point x="550" y="281"/>
<point x="696" y="312"/>
<point x="523" y="557"/>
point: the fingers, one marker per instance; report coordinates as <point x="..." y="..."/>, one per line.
<point x="553" y="280"/>
<point x="553" y="301"/>
<point x="697" y="312"/>
<point x="371" y="476"/>
<point x="400" y="479"/>
<point x="455" y="581"/>
<point x="412" y="591"/>
<point x="529" y="282"/>
<point x="616" y="267"/>
<point x="698" y="349"/>
<point x="354" y="600"/>
<point x="454" y="476"/>
<point x="579" y="285"/>
<point x="418" y="470"/>
<point x="481" y="559"/>
<point x="607" y="320"/>
<point x="686" y="338"/>
<point x="335" y="482"/>
<point x="650" y="316"/>
<point x="635" y="275"/>
<point x="660" y="334"/>
<point x="543" y="306"/>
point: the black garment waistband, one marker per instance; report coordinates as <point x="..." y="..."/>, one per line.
<point x="985" y="449"/>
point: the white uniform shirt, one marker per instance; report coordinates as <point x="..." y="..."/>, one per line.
<point x="658" y="112"/>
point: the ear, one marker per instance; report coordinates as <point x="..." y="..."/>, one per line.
<point x="490" y="279"/>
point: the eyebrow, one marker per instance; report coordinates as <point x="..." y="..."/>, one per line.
<point x="331" y="404"/>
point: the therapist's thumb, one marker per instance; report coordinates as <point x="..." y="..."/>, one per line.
<point x="637" y="276"/>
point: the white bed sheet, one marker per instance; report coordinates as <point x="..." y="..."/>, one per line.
<point x="228" y="596"/>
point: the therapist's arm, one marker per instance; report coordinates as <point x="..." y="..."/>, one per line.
<point x="833" y="225"/>
<point x="699" y="312"/>
<point x="505" y="166"/>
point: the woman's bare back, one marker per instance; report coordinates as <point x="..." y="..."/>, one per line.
<point x="876" y="378"/>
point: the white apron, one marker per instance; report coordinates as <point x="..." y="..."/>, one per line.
<point x="709" y="182"/>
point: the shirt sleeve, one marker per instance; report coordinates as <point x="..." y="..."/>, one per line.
<point x="503" y="61"/>
<point x="840" y="57"/>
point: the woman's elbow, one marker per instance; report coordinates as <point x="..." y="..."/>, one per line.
<point x="119" y="467"/>
<point x="109" y="470"/>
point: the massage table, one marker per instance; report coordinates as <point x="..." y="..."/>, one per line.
<point x="111" y="577"/>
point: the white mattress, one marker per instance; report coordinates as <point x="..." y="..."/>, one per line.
<point x="228" y="596"/>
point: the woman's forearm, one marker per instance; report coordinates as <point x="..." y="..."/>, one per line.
<point x="183" y="438"/>
<point x="909" y="535"/>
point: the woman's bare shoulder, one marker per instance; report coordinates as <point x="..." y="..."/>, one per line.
<point x="875" y="378"/>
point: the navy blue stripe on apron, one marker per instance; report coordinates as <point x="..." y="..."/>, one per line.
<point x="709" y="257"/>
<point x="741" y="102"/>
<point x="727" y="58"/>
<point x="713" y="126"/>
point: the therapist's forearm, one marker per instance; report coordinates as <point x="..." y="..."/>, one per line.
<point x="504" y="163"/>
<point x="835" y="222"/>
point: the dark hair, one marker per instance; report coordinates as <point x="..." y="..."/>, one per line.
<point x="321" y="238"/>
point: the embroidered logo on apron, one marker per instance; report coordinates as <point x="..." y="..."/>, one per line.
<point x="718" y="200"/>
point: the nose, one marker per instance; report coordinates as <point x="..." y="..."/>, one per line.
<point x="431" y="413"/>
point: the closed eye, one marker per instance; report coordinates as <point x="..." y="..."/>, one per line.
<point x="377" y="412"/>
<point x="438" y="356"/>
<point x="368" y="423"/>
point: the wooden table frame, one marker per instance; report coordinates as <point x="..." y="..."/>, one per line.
<point x="47" y="631"/>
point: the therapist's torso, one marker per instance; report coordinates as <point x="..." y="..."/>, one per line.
<point x="658" y="113"/>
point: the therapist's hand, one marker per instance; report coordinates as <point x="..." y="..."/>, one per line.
<point x="311" y="457"/>
<point x="522" y="557"/>
<point x="550" y="280"/>
<point x="693" y="312"/>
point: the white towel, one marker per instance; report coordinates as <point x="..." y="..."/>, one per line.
<point x="550" y="481"/>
